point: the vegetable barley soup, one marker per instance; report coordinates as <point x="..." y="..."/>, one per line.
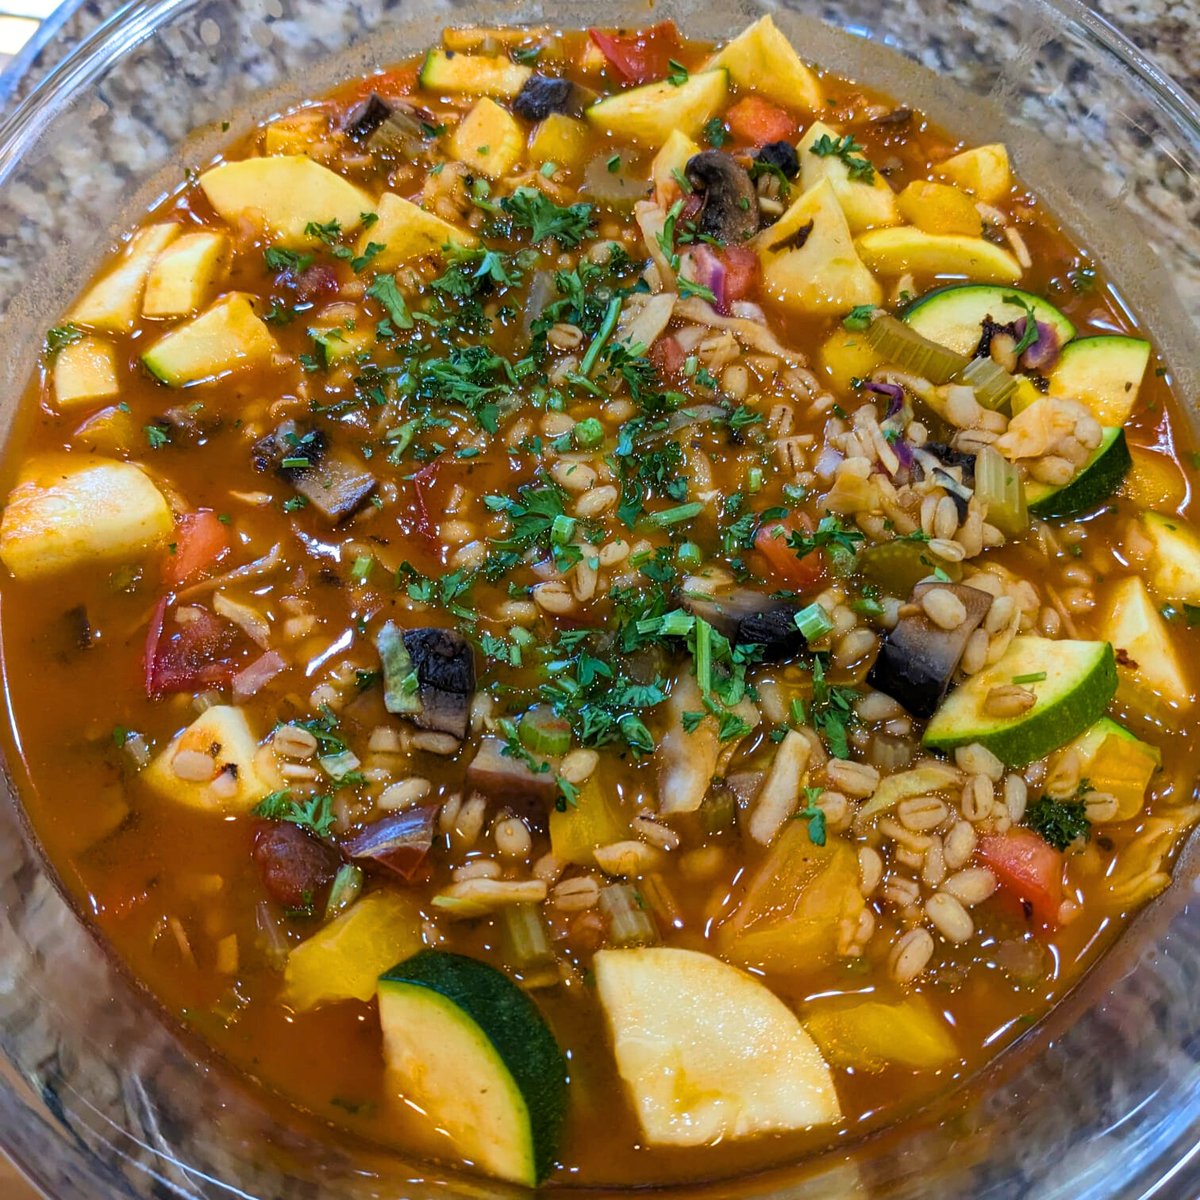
<point x="603" y="609"/>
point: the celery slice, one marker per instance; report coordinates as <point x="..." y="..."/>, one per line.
<point x="897" y="343"/>
<point x="998" y="485"/>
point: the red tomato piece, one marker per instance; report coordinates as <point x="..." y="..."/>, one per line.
<point x="190" y="658"/>
<point x="741" y="271"/>
<point x="758" y="122"/>
<point x="397" y="82"/>
<point x="667" y="356"/>
<point x="639" y="57"/>
<point x="1029" y="869"/>
<point x="799" y="574"/>
<point x="200" y="539"/>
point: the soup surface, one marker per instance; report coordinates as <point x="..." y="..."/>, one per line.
<point x="603" y="608"/>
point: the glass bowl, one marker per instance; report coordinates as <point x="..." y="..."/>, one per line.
<point x="99" y="1096"/>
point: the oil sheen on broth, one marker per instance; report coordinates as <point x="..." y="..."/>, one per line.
<point x="666" y="524"/>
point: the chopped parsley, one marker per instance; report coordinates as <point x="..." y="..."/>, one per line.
<point x="62" y="335"/>
<point x="848" y="150"/>
<point x="535" y="211"/>
<point x="1059" y="822"/>
<point x="813" y="815"/>
<point x="315" y="814"/>
<point x="830" y="533"/>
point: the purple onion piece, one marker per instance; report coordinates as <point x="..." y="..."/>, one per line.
<point x="903" y="452"/>
<point x="895" y="394"/>
<point x="1042" y="353"/>
<point x="398" y="842"/>
<point x="709" y="272"/>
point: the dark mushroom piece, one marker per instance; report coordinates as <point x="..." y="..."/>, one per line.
<point x="729" y="200"/>
<point x="750" y="618"/>
<point x="386" y="127"/>
<point x="918" y="659"/>
<point x="509" y="781"/>
<point x="780" y="156"/>
<point x="445" y="666"/>
<point x="541" y="95"/>
<point x="333" y="482"/>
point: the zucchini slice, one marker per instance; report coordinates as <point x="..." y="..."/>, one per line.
<point x="1104" y="373"/>
<point x="954" y="316"/>
<point x="451" y="74"/>
<point x="1097" y="479"/>
<point x="1073" y="682"/>
<point x="471" y="1050"/>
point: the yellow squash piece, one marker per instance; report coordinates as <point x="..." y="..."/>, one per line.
<point x="184" y="274"/>
<point x="795" y="903"/>
<point x="761" y="60"/>
<point x="808" y="258"/>
<point x="85" y="371"/>
<point x="68" y="511"/>
<point x="650" y="113"/>
<point x="1151" y="675"/>
<point x="596" y="819"/>
<point x="707" y="1052"/>
<point x="867" y="204"/>
<point x="983" y="171"/>
<point x="407" y="232"/>
<point x="287" y="192"/>
<point x="1154" y="481"/>
<point x="903" y="248"/>
<point x="113" y="430"/>
<point x="939" y="208"/>
<point x="1174" y="572"/>
<point x="296" y="133"/>
<point x="222" y="734"/>
<point x="1112" y="760"/>
<point x="669" y="166"/>
<point x="111" y="304"/>
<point x="488" y="140"/>
<point x="868" y="1035"/>
<point x="561" y="140"/>
<point x="344" y="960"/>
<point x="226" y="337"/>
<point x="847" y="356"/>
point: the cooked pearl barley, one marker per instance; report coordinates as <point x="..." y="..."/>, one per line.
<point x="578" y="765"/>
<point x="553" y="597"/>
<point x="945" y="518"/>
<point x="870" y="870"/>
<point x="1016" y="797"/>
<point x="855" y="779"/>
<point x="944" y="608"/>
<point x="548" y="868"/>
<point x="977" y="798"/>
<point x="1062" y="781"/>
<point x="573" y="476"/>
<point x="596" y="501"/>
<point x="477" y="868"/>
<point x="1008" y="700"/>
<point x="853" y="647"/>
<point x="469" y="823"/>
<point x="194" y="766"/>
<point x="293" y="742"/>
<point x="950" y="551"/>
<point x="922" y="813"/>
<point x="949" y="917"/>
<point x="911" y="954"/>
<point x="574" y="895"/>
<point x="627" y="858"/>
<point x="972" y="886"/>
<point x="877" y="706"/>
<point x="999" y="614"/>
<point x="933" y="869"/>
<point x="979" y="760"/>
<point x="404" y="794"/>
<point x="656" y="834"/>
<point x="959" y="844"/>
<point x="1101" y="807"/>
<point x="512" y="837"/>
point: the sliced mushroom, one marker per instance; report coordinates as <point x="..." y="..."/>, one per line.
<point x="363" y="119"/>
<point x="386" y="127"/>
<point x="445" y="666"/>
<point x="541" y="95"/>
<point x="729" y="209"/>
<point x="781" y="156"/>
<point x="918" y="660"/>
<point x="333" y="482"/>
<point x="750" y="618"/>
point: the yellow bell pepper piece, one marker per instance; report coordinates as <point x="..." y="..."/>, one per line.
<point x="595" y="820"/>
<point x="869" y="1035"/>
<point x="345" y="959"/>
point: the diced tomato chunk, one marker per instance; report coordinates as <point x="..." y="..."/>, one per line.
<point x="667" y="356"/>
<point x="799" y="574"/>
<point x="741" y="271"/>
<point x="639" y="57"/>
<point x="190" y="658"/>
<point x="200" y="539"/>
<point x="399" y="81"/>
<point x="1029" y="869"/>
<point x="758" y="122"/>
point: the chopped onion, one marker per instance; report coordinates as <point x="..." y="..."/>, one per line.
<point x="399" y="841"/>
<point x="251" y="680"/>
<point x="747" y="310"/>
<point x="827" y="463"/>
<point x="706" y="269"/>
<point x="1042" y="353"/>
<point x="246" y="618"/>
<point x="895" y="394"/>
